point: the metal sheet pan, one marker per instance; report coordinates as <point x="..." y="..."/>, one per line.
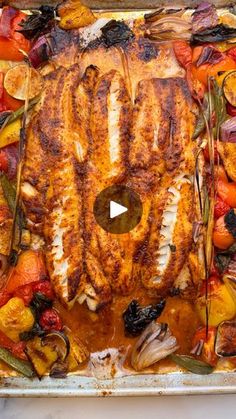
<point x="176" y="383"/>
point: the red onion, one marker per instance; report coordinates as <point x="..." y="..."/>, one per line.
<point x="228" y="130"/>
<point x="41" y="51"/>
<point x="231" y="110"/>
<point x="12" y="157"/>
<point x="210" y="55"/>
<point x="204" y="17"/>
<point x="7" y="16"/>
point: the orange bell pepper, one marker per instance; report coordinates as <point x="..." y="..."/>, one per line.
<point x="10" y="47"/>
<point x="204" y="71"/>
<point x="30" y="268"/>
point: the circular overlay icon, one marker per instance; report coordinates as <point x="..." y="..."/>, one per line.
<point x="118" y="209"/>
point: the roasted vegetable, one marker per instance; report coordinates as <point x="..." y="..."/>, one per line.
<point x="203" y="72"/>
<point x="225" y="345"/>
<point x="227" y="192"/>
<point x="30" y="268"/>
<point x="191" y="364"/>
<point x="229" y="86"/>
<point x="223" y="258"/>
<point x="204" y="17"/>
<point x="59" y="342"/>
<point x="40" y="21"/>
<point x="23" y="82"/>
<point x="42" y="357"/>
<point x="169" y="27"/>
<point x="19" y="365"/>
<point x="221" y="208"/>
<point x="15" y="318"/>
<point x="50" y="320"/>
<point x="204" y="345"/>
<point x="136" y="318"/>
<point x="78" y="350"/>
<point x="221" y="305"/>
<point x="74" y="15"/>
<point x="222" y="238"/>
<point x="155" y="343"/>
<point x="115" y="32"/>
<point x="10" y="134"/>
<point x="228" y="130"/>
<point x="10" y="47"/>
<point x="230" y="222"/>
<point x="217" y="34"/>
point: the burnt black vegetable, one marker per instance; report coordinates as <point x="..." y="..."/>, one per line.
<point x="136" y="318"/>
<point x="116" y="32"/>
<point x="223" y="258"/>
<point x="38" y="23"/>
<point x="230" y="222"/>
<point x="35" y="331"/>
<point x="39" y="303"/>
<point x="217" y="34"/>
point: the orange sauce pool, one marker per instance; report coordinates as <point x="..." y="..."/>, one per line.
<point x="105" y="329"/>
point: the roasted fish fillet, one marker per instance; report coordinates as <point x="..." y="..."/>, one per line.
<point x="62" y="139"/>
<point x="110" y="119"/>
<point x="106" y="119"/>
<point x="162" y="148"/>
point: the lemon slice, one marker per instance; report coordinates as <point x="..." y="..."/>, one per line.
<point x="16" y="82"/>
<point x="229" y="88"/>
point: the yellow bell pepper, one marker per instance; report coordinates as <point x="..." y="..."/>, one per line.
<point x="221" y="306"/>
<point x="15" y="318"/>
<point x="42" y="357"/>
<point x="10" y="134"/>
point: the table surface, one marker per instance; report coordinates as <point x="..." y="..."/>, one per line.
<point x="189" y="407"/>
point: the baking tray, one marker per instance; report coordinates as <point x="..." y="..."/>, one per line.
<point x="175" y="383"/>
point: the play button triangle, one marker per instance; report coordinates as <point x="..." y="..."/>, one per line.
<point x="116" y="209"/>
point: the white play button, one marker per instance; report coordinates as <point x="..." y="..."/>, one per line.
<point x="116" y="209"/>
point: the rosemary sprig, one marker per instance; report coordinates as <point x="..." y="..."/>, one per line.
<point x="17" y="213"/>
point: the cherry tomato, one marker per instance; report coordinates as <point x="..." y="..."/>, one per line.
<point x="222" y="238"/>
<point x="3" y="161"/>
<point x="207" y="336"/>
<point x="45" y="288"/>
<point x="231" y="110"/>
<point x="221" y="208"/>
<point x="4" y="297"/>
<point x="50" y="320"/>
<point x="183" y="53"/>
<point x="227" y="192"/>
<point x="25" y="293"/>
